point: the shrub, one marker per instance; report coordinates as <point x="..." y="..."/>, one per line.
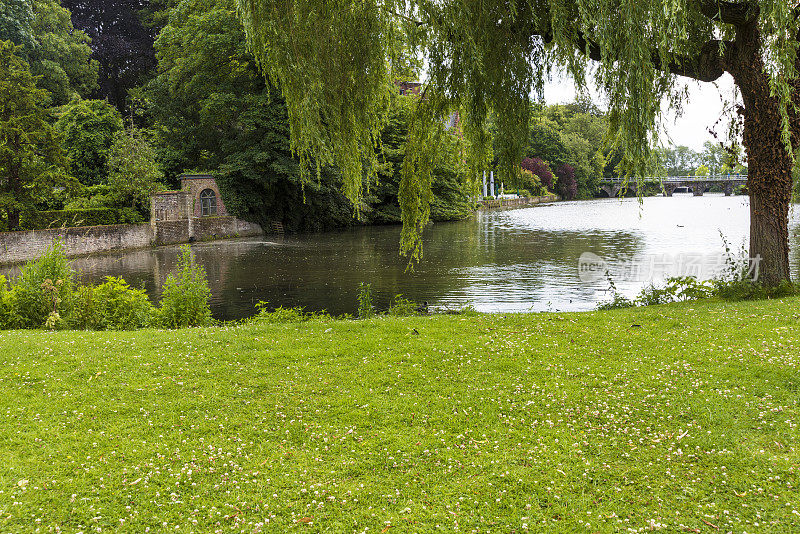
<point x="120" y="307"/>
<point x="567" y="185"/>
<point x="84" y="314"/>
<point x="365" y="308"/>
<point x="402" y="306"/>
<point x="652" y="295"/>
<point x="39" y="220"/>
<point x="9" y="317"/>
<point x="689" y="288"/>
<point x="531" y="184"/>
<point x="618" y="300"/>
<point x="541" y="169"/>
<point x="736" y="281"/>
<point x="44" y="288"/>
<point x="279" y="315"/>
<point x="184" y="299"/>
<point x="735" y="290"/>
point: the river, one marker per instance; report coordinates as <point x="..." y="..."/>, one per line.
<point x="503" y="261"/>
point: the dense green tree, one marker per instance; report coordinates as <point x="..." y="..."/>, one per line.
<point x="62" y="55"/>
<point x="450" y="196"/>
<point x="489" y="56"/>
<point x="547" y="142"/>
<point x="32" y="163"/>
<point x="57" y="54"/>
<point x="16" y="23"/>
<point x="565" y="135"/>
<point x="213" y="111"/>
<point x="121" y="42"/>
<point x="87" y="128"/>
<point x="720" y="159"/>
<point x="133" y="173"/>
<point x="677" y="161"/>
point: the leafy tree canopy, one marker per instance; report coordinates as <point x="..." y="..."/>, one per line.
<point x="212" y="110"/>
<point x="58" y="55"/>
<point x="62" y="56"/>
<point x="16" y="23"/>
<point x="87" y="128"/>
<point x="133" y="173"/>
<point x="32" y="164"/>
<point x="121" y="43"/>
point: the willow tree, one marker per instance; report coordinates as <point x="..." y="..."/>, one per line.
<point x="334" y="62"/>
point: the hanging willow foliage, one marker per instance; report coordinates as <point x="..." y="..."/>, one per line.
<point x="333" y="61"/>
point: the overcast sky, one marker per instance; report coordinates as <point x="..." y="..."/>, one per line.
<point x="691" y="129"/>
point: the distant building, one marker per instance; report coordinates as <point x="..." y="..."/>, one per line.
<point x="409" y="88"/>
<point x="204" y="195"/>
<point x="453" y="121"/>
<point x="196" y="212"/>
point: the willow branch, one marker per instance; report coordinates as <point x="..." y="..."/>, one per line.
<point x="736" y="13"/>
<point x="707" y="66"/>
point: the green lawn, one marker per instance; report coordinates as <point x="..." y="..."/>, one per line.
<point x="681" y="417"/>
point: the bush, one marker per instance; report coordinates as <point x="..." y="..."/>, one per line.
<point x="9" y="317"/>
<point x="184" y="299"/>
<point x="539" y="168"/>
<point x="402" y="307"/>
<point x="39" y="220"/>
<point x="84" y="314"/>
<point x="567" y="185"/>
<point x="676" y="289"/>
<point x="279" y="315"/>
<point x="120" y="307"/>
<point x="736" y="282"/>
<point x="365" y="308"/>
<point x="736" y="290"/>
<point x="531" y="184"/>
<point x="44" y="289"/>
<point x="617" y="301"/>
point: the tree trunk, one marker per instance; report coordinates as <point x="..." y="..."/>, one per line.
<point x="769" y="165"/>
<point x="13" y="219"/>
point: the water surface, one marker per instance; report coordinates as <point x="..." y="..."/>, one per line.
<point x="505" y="260"/>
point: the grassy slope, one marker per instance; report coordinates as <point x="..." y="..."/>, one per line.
<point x="545" y="422"/>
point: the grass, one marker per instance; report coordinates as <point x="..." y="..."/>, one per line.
<point x="682" y="418"/>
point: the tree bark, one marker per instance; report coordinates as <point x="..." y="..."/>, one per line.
<point x="769" y="165"/>
<point x="13" y="219"/>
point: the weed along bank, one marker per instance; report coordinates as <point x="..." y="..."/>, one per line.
<point x="196" y="212"/>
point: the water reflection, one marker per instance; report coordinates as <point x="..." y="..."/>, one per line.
<point x="517" y="260"/>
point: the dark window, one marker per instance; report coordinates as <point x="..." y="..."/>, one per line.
<point x="208" y="202"/>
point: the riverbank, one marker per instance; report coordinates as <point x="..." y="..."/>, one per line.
<point x="519" y="202"/>
<point x="23" y="246"/>
<point x="682" y="417"/>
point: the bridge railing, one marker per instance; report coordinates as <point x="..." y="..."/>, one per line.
<point x="673" y="179"/>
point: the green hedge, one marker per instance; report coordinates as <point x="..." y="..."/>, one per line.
<point x="39" y="220"/>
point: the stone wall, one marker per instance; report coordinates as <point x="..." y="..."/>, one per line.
<point x="169" y="206"/>
<point x="18" y="247"/>
<point x="221" y="227"/>
<point x="170" y="232"/>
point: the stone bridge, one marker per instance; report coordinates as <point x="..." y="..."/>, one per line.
<point x="668" y="184"/>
